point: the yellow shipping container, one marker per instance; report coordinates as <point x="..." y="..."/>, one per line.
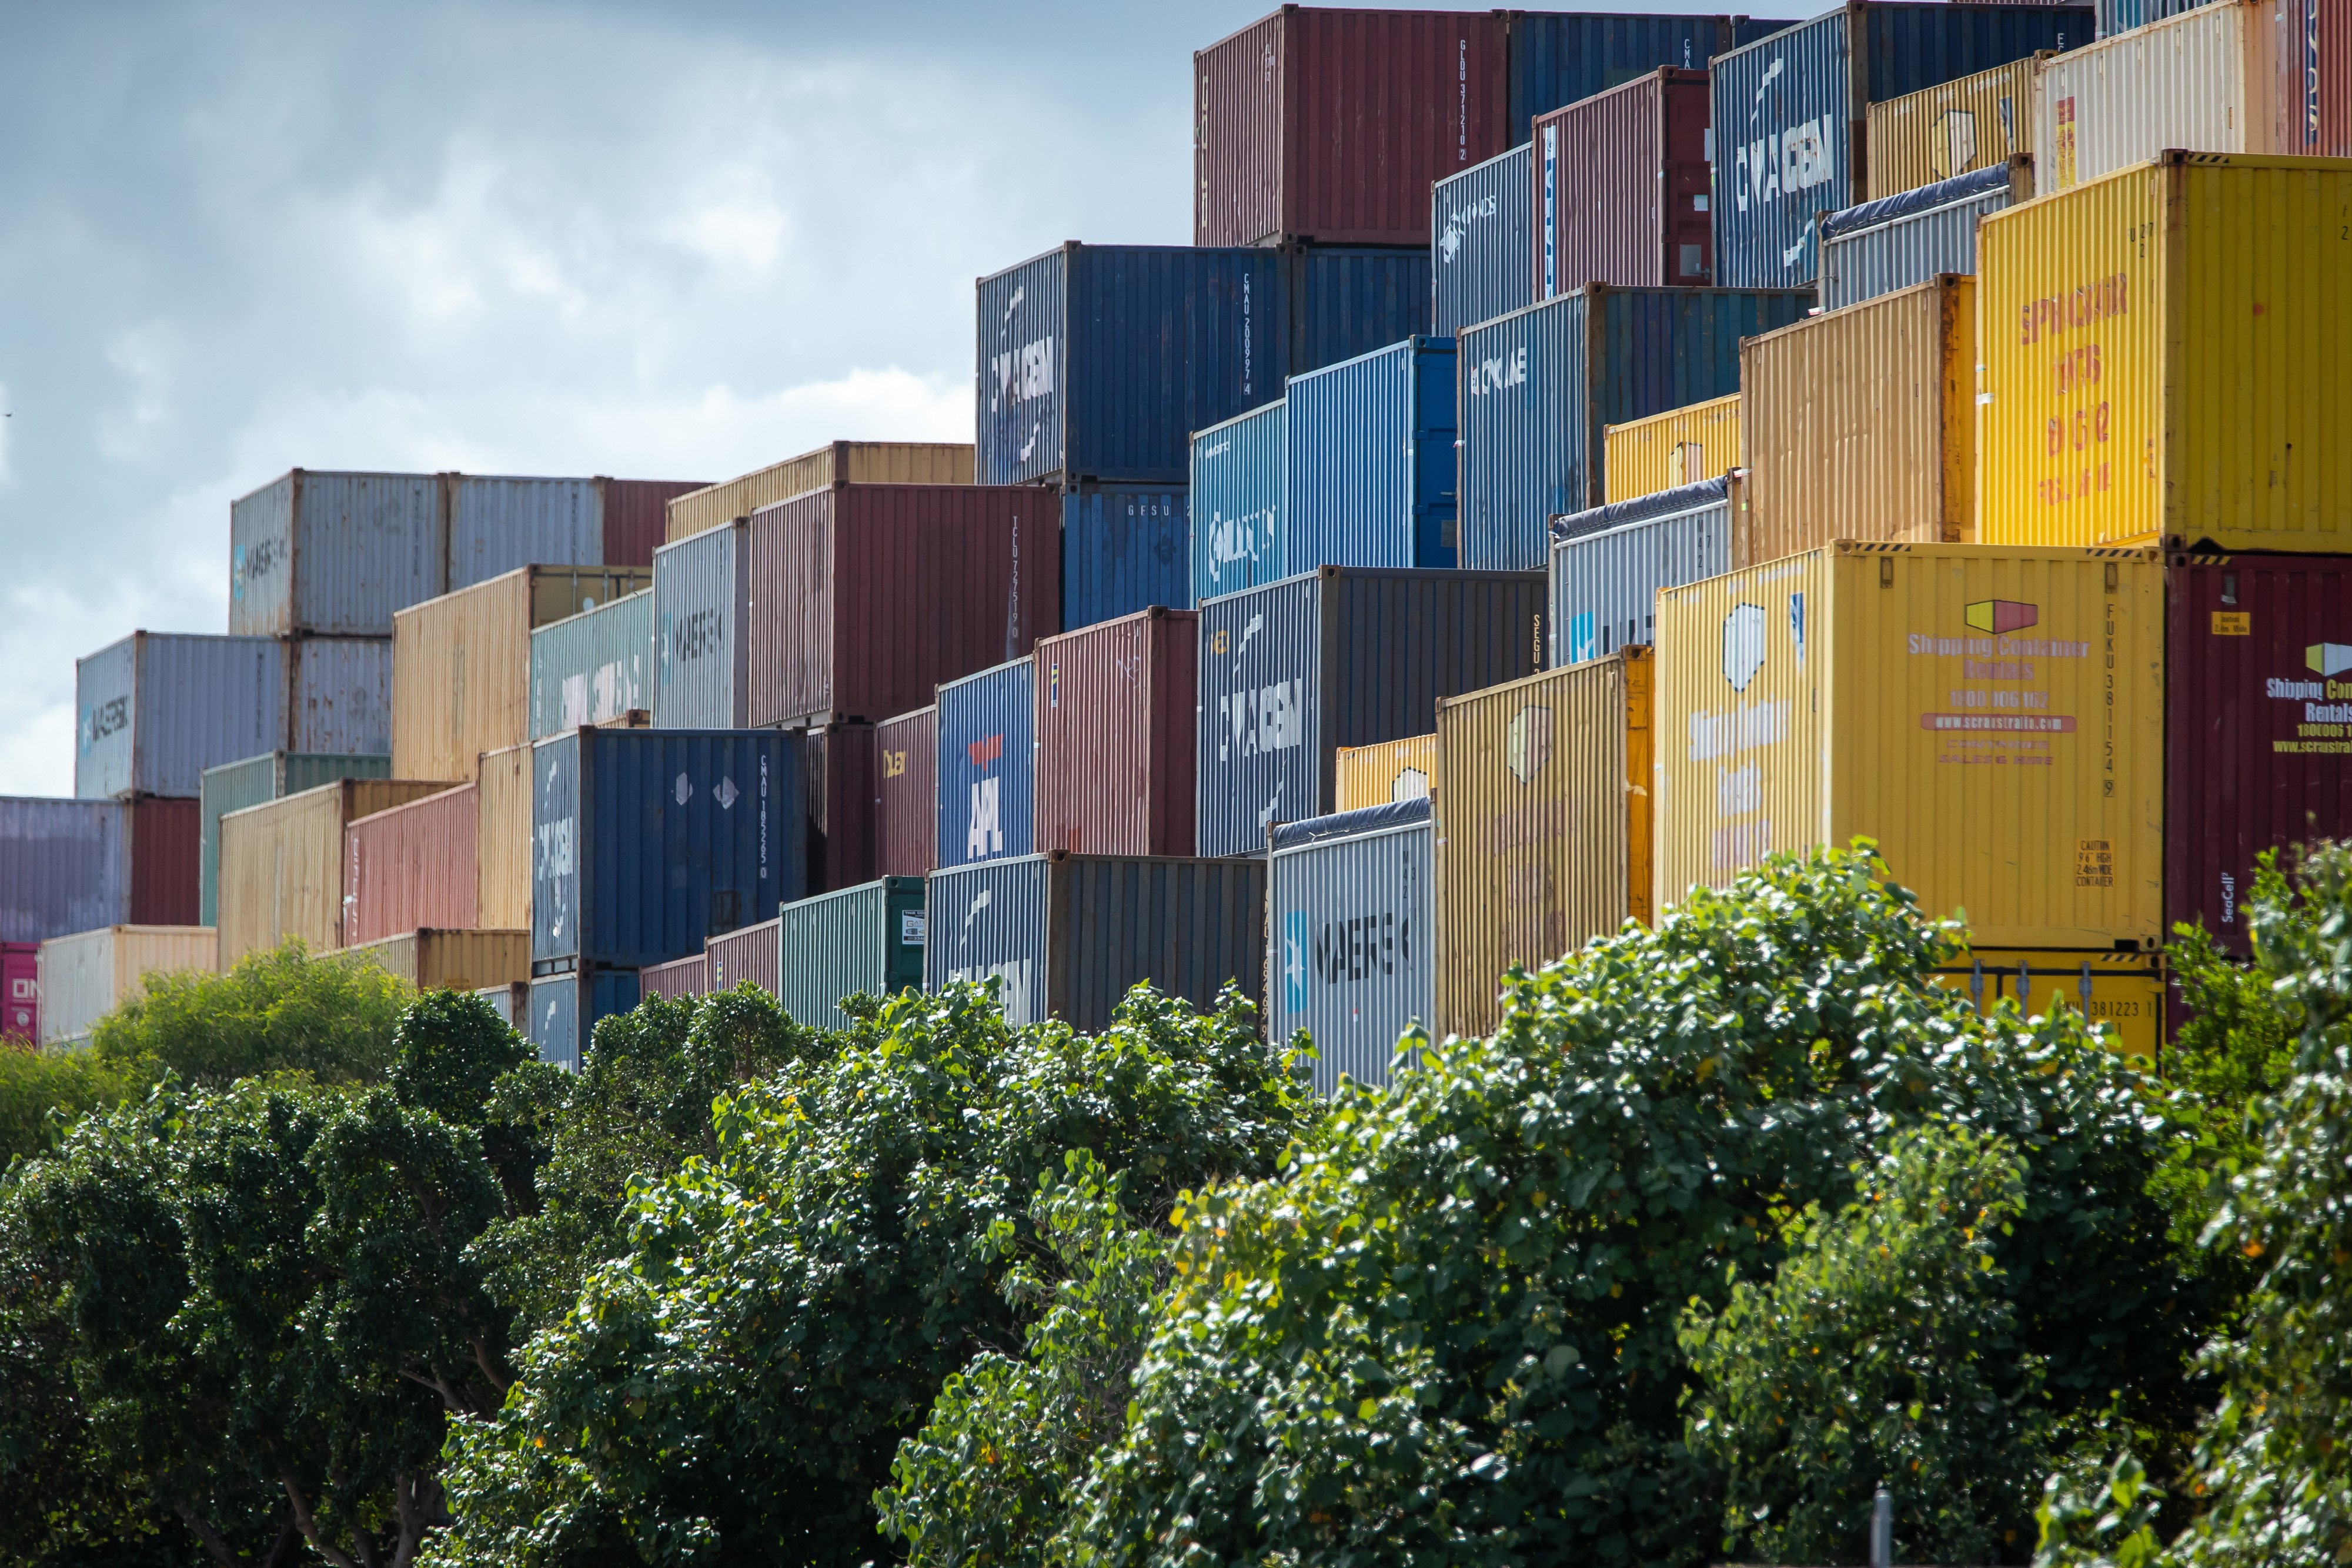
<point x="1542" y="824"/>
<point x="1860" y="424"/>
<point x="1385" y="771"/>
<point x="503" y="842"/>
<point x="445" y="960"/>
<point x="1993" y="717"/>
<point x="2166" y="357"/>
<point x="461" y="663"/>
<point x="281" y="871"/>
<point x="1680" y="446"/>
<point x="84" y="977"/>
<point x="2124" y="991"/>
<point x="1972" y="123"/>
<point x="843" y="462"/>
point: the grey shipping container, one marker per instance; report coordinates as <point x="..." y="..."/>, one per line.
<point x="868" y="938"/>
<point x="1482" y="222"/>
<point x="1906" y="239"/>
<point x="1607" y="564"/>
<point x="593" y="667"/>
<point x="1351" y="924"/>
<point x="498" y="523"/>
<point x="566" y="1008"/>
<point x="1342" y="656"/>
<point x="64" y="867"/>
<point x="702" y="662"/>
<point x="254" y="782"/>
<point x="512" y="1003"/>
<point x="156" y="709"/>
<point x="339" y="693"/>
<point x="1068" y="935"/>
<point x="335" y="554"/>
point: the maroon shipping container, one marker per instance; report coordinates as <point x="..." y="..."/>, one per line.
<point x="161" y="833"/>
<point x="866" y="597"/>
<point x="676" y="980"/>
<point x="907" y="794"/>
<point x="414" y="868"/>
<point x="2334" y="78"/>
<point x="2257" y="748"/>
<point x="838" y="784"/>
<point x="20" y="992"/>
<point x="752" y="954"/>
<point x="1330" y="125"/>
<point x="635" y="511"/>
<point x="1116" y="727"/>
<point x="1629" y="176"/>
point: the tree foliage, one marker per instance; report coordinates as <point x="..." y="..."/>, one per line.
<point x="329" y="1018"/>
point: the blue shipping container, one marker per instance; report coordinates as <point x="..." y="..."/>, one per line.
<point x="1537" y="386"/>
<point x="1239" y="469"/>
<point x="988" y="757"/>
<point x="1342" y="300"/>
<point x="1125" y="548"/>
<point x="1787" y="113"/>
<point x="566" y="1008"/>
<point x="1482" y="257"/>
<point x="1559" y="58"/>
<point x="647" y="842"/>
<point x="1372" y="461"/>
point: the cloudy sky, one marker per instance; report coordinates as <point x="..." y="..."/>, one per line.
<point x="675" y="241"/>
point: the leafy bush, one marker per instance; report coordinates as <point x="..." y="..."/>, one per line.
<point x="42" y="1092"/>
<point x="284" y="1011"/>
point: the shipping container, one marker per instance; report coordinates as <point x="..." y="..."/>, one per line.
<point x="1331" y="124"/>
<point x="680" y="979"/>
<point x="594" y="667"/>
<point x="907" y="793"/>
<point x="1860" y="424"/>
<point x="2122" y="15"/>
<point x="20" y="992"/>
<point x="745" y="956"/>
<point x="1607" y="564"/>
<point x="1342" y="300"/>
<point x="1384" y="773"/>
<point x="650" y="842"/>
<point x="1117" y="706"/>
<point x="839" y="462"/>
<point x="1792" y="112"/>
<point x="566" y="1008"/>
<point x="1349" y="920"/>
<point x="1370" y="450"/>
<point x="635" y="516"/>
<point x="987" y="765"/>
<point x="339" y="695"/>
<point x="1342" y="656"/>
<point x="88" y="975"/>
<point x="1559" y="57"/>
<point x="1540" y="385"/>
<point x="864" y="940"/>
<point x="416" y="866"/>
<point x="503" y="842"/>
<point x="1240" y="469"/>
<point x="163" y="841"/>
<point x="461" y="663"/>
<point x="334" y="555"/>
<point x="1621" y="188"/>
<point x="1543" y="836"/>
<point x="1125" y="548"/>
<point x="500" y="523"/>
<point x="444" y="960"/>
<point x="702" y="588"/>
<point x="1481" y="221"/>
<point x="1883" y="245"/>
<point x="865" y="597"/>
<point x="1668" y="451"/>
<point x="2123" y="992"/>
<point x="837" y="787"/>
<point x="64" y="867"/>
<point x="512" y="1004"/>
<point x="2189" y="380"/>
<point x="1993" y="717"/>
<point x="1068" y="935"/>
<point x="1962" y="127"/>
<point x="281" y="864"/>
<point x="157" y="708"/>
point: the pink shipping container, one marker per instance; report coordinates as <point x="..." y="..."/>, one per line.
<point x="634" y="514"/>
<point x="1330" y="125"/>
<point x="838" y="786"/>
<point x="166" y="860"/>
<point x="20" y="992"/>
<point x="1621" y="182"/>
<point x="866" y="597"/>
<point x="907" y="794"/>
<point x="751" y="953"/>
<point x="1116" y="728"/>
<point x="678" y="979"/>
<point x="415" y="867"/>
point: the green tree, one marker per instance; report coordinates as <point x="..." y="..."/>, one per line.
<point x="283" y="1011"/>
<point x="42" y="1092"/>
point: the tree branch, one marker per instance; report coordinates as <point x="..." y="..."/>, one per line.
<point x="310" y="1526"/>
<point x="213" y="1541"/>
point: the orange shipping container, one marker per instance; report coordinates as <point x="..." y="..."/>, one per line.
<point x="282" y="864"/>
<point x="841" y="461"/>
<point x="1385" y="771"/>
<point x="415" y="866"/>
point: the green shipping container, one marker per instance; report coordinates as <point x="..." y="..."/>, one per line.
<point x="864" y="938"/>
<point x="593" y="667"/>
<point x="256" y="781"/>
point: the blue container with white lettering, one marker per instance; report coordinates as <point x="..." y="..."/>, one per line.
<point x="1125" y="548"/>
<point x="1787" y="108"/>
<point x="1372" y="461"/>
<point x="987" y="760"/>
<point x="1239" y="470"/>
<point x="566" y="1008"/>
<point x="1559" y="58"/>
<point x="1482" y="258"/>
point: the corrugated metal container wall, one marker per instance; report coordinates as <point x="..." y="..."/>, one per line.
<point x="635" y="516"/>
<point x="748" y="957"/>
<point x="1668" y="451"/>
<point x="702" y="587"/>
<point x="1955" y="128"/>
<point x="650" y="842"/>
<point x="1117" y="710"/>
<point x="163" y="840"/>
<point x="63" y="867"/>
<point x="2122" y="15"/>
<point x="593" y="667"/>
<point x="1543" y="825"/>
<point x="1860" y="424"/>
<point x="512" y="1003"/>
<point x="1330" y="125"/>
<point x="1540" y="385"/>
<point x="1349" y="921"/>
<point x="988" y="765"/>
<point x="499" y="524"/>
<point x="1483" y="219"/>
<point x="864" y="940"/>
<point x="1558" y="58"/>
<point x="1342" y="300"/>
<point x="1344" y="656"/>
<point x="1881" y="247"/>
<point x="20" y="992"/>
<point x="907" y="793"/>
<point x="1240" y="469"/>
<point x="1607" y="564"/>
<point x="2121" y="991"/>
<point x="86" y="976"/>
<point x="842" y="463"/>
<point x="1371" y="449"/>
<point x="503" y="842"/>
<point x="1384" y="772"/>
<point x="156" y="709"/>
<point x="335" y="554"/>
<point x="1792" y="110"/>
<point x="566" y="1008"/>
<point x="445" y="960"/>
<point x="2173" y="411"/>
<point x="1994" y="718"/>
<point x="415" y="867"/>
<point x="864" y="598"/>
<point x="1125" y="548"/>
<point x="339" y="695"/>
<point x="282" y="864"/>
<point x="1070" y="934"/>
<point x="838" y="774"/>
<point x="680" y="979"/>
<point x="1620" y="184"/>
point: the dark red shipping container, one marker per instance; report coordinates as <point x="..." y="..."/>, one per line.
<point x="907" y="794"/>
<point x="1116" y="728"/>
<point x="838" y="766"/>
<point x="414" y="868"/>
<point x="161" y="833"/>
<point x="1621" y="188"/>
<point x="20" y="992"/>
<point x="751" y="953"/>
<point x="2255" y="735"/>
<point x="866" y="597"/>
<point x="676" y="980"/>
<point x="1330" y="125"/>
<point x="635" y="511"/>
<point x="2333" y="25"/>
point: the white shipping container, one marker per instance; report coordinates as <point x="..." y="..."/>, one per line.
<point x="88" y="975"/>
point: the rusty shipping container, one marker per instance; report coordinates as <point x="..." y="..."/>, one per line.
<point x="748" y="957"/>
<point x="281" y="872"/>
<point x="1666" y="451"/>
<point x="866" y="597"/>
<point x="1543" y="838"/>
<point x="1332" y="125"/>
<point x="837" y="785"/>
<point x="907" y="794"/>
<point x="1114" y="736"/>
<point x="1384" y="772"/>
<point x="679" y="980"/>
<point x="2121" y="992"/>
<point x="636" y="513"/>
<point x="502" y="842"/>
<point x="163" y="841"/>
<point x="445" y="960"/>
<point x="1955" y="128"/>
<point x="837" y="462"/>
<point x="415" y="867"/>
<point x="84" y="977"/>
<point x="1993" y="717"/>
<point x="1622" y="186"/>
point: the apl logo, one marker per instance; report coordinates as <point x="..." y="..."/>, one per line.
<point x="985" y="836"/>
<point x="1527" y="743"/>
<point x="2000" y="616"/>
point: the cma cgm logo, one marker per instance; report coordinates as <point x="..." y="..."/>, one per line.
<point x="1499" y="372"/>
<point x="985" y="836"/>
<point x="1782" y="160"/>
